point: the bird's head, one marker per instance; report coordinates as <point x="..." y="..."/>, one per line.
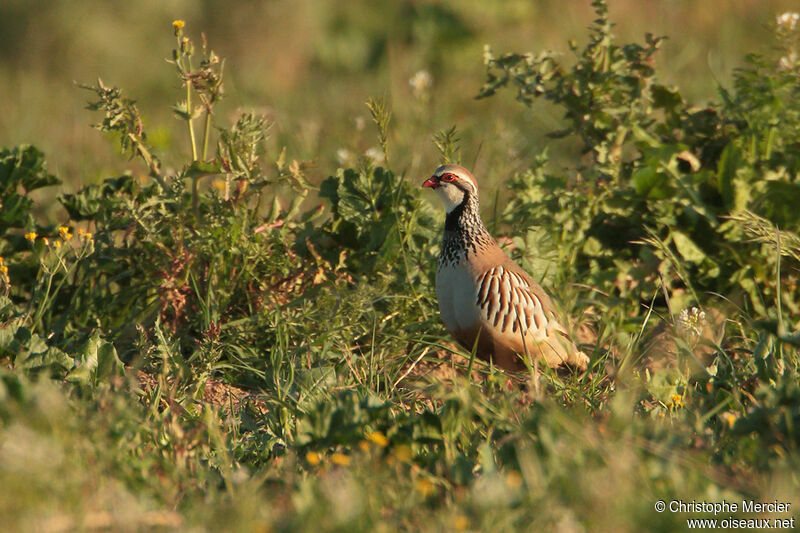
<point x="454" y="184"/>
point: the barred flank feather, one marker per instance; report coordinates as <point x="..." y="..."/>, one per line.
<point x="506" y="299"/>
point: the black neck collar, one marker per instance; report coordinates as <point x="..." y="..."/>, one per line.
<point x="453" y="220"/>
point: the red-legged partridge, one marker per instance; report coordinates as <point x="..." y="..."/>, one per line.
<point x="485" y="299"/>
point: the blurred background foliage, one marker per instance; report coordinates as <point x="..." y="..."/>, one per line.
<point x="224" y="359"/>
<point x="310" y="65"/>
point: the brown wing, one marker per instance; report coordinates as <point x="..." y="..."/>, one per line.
<point x="518" y="316"/>
<point x="509" y="302"/>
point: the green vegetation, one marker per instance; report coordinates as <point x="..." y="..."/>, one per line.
<point x="223" y="341"/>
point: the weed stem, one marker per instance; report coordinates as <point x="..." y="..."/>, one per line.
<point x="189" y="118"/>
<point x="206" y="130"/>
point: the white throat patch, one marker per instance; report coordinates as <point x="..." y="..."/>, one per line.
<point x="451" y="196"/>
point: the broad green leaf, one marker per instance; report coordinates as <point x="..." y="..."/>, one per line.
<point x="15" y="210"/>
<point x="23" y="166"/>
<point x="51" y="357"/>
<point x="666" y="98"/>
<point x="592" y="247"/>
<point x="96" y="361"/>
<point x="651" y="183"/>
<point x="687" y="248"/>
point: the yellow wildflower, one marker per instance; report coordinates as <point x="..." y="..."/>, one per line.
<point x="364" y="445"/>
<point x="340" y="459"/>
<point x="729" y="418"/>
<point x="514" y="479"/>
<point x="403" y="453"/>
<point x="63" y="231"/>
<point x="46" y="241"/>
<point x="88" y="236"/>
<point x="178" y="25"/>
<point x="313" y="458"/>
<point x="4" y="270"/>
<point x="57" y="244"/>
<point x="376" y="437"/>
<point x="31" y="236"/>
<point x="424" y="486"/>
<point x="2" y="261"/>
<point x="81" y="231"/>
<point x="677" y="400"/>
<point x="460" y="522"/>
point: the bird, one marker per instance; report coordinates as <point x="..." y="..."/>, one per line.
<point x="486" y="301"/>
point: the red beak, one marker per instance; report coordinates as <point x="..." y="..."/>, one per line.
<point x="431" y="182"/>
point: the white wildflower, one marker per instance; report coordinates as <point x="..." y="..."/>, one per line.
<point x="691" y="320"/>
<point x="788" y="62"/>
<point x="376" y="154"/>
<point x="788" y="20"/>
<point x="420" y="82"/>
<point x="344" y="156"/>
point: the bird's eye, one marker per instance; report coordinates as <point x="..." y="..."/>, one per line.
<point x="449" y="177"/>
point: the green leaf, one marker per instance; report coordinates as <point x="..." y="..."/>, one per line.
<point x="726" y="171"/>
<point x="592" y="247"/>
<point x="96" y="361"/>
<point x="15" y="211"/>
<point x="198" y="169"/>
<point x="687" y="248"/>
<point x="181" y="110"/>
<point x="29" y="351"/>
<point x="50" y="358"/>
<point x="666" y="98"/>
<point x="764" y="357"/>
<point x="24" y="166"/>
<point x="85" y="204"/>
<point x="650" y="183"/>
<point x="643" y="136"/>
<point x="92" y="200"/>
<point x="22" y="169"/>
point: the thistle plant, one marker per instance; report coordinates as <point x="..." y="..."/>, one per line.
<point x="203" y="80"/>
<point x="121" y="116"/>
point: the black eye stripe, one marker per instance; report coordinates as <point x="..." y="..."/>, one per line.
<point x="461" y="185"/>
